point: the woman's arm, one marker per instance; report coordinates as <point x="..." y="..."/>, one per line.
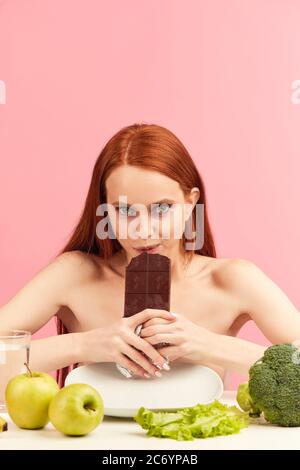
<point x="234" y="354"/>
<point x="37" y="302"/>
<point x="267" y="305"/>
<point x="55" y="352"/>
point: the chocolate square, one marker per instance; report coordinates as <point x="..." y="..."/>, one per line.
<point x="149" y="262"/>
<point x="134" y="303"/>
<point x="151" y="282"/>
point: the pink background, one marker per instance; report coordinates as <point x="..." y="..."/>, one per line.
<point x="218" y="74"/>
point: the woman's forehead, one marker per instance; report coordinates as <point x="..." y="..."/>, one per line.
<point x="140" y="185"/>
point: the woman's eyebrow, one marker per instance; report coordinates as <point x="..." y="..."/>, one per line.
<point x="170" y="201"/>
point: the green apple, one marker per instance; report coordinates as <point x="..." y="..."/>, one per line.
<point x="28" y="397"/>
<point x="76" y="410"/>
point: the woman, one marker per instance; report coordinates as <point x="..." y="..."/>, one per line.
<point x="84" y="285"/>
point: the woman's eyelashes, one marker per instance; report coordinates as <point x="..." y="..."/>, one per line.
<point x="166" y="208"/>
<point x="123" y="210"/>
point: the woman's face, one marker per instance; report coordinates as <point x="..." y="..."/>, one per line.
<point x="147" y="208"/>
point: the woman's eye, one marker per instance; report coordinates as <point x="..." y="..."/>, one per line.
<point x="159" y="209"/>
<point x="124" y="211"/>
<point x="165" y="207"/>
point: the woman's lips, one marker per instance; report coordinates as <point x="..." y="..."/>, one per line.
<point x="155" y="249"/>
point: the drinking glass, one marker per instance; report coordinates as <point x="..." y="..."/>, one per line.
<point x="14" y="353"/>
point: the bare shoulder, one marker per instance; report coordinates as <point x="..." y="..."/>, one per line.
<point x="237" y="277"/>
<point x="75" y="257"/>
<point x="236" y="273"/>
<point x="227" y="268"/>
<point x="221" y="269"/>
<point x="46" y="292"/>
<point x="247" y="281"/>
<point x="262" y="299"/>
<point x="78" y="266"/>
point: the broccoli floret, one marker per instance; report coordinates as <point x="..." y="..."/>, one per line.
<point x="274" y="385"/>
<point x="244" y="400"/>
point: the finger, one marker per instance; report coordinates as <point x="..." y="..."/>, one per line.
<point x="170" y="338"/>
<point x="170" y="352"/>
<point x="139" y="359"/>
<point x="157" y="329"/>
<point x="147" y="314"/>
<point x="156" y="321"/>
<point x="131" y="365"/>
<point x="148" y="349"/>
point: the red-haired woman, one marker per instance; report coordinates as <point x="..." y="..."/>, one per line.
<point x="84" y="285"/>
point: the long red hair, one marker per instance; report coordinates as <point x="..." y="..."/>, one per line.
<point x="147" y="146"/>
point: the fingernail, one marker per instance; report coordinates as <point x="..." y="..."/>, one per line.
<point x="166" y="367"/>
<point x="166" y="358"/>
<point x="158" y="374"/>
<point x="147" y="375"/>
<point x="157" y="365"/>
<point x="173" y="314"/>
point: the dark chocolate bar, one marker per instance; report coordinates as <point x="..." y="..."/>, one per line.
<point x="147" y="284"/>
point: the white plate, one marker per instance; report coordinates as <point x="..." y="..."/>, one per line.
<point x="183" y="386"/>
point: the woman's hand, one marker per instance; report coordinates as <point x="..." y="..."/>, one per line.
<point x="118" y="343"/>
<point x="185" y="339"/>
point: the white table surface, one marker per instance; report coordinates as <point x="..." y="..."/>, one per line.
<point x="124" y="433"/>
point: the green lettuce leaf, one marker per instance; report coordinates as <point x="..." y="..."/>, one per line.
<point x="214" y="419"/>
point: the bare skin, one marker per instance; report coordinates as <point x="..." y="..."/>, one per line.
<point x="199" y="296"/>
<point x="87" y="295"/>
<point x="213" y="298"/>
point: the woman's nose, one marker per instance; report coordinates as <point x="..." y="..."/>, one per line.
<point x="147" y="226"/>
